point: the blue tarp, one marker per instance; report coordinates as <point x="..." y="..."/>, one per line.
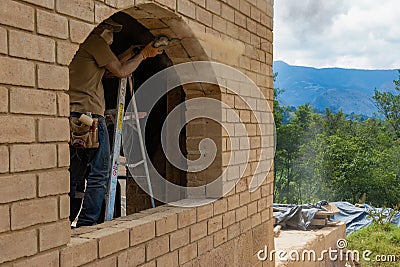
<point x="357" y="218"/>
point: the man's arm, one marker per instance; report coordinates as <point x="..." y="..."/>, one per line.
<point x="123" y="69"/>
<point x="129" y="53"/>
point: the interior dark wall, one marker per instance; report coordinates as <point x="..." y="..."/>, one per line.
<point x="133" y="33"/>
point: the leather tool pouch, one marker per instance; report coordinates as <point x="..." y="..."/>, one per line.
<point x="82" y="135"/>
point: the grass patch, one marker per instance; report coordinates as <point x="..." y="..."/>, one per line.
<point x="379" y="240"/>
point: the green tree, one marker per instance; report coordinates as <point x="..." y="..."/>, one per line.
<point x="388" y="104"/>
<point x="338" y="157"/>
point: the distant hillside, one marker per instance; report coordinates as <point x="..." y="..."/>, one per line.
<point x="348" y="89"/>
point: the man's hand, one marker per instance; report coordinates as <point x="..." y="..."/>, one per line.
<point x="150" y="51"/>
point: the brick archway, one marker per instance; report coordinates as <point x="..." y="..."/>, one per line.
<point x="185" y="46"/>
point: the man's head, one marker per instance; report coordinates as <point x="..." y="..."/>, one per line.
<point x="107" y="28"/>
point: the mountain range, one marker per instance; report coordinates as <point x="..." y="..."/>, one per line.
<point x="349" y="90"/>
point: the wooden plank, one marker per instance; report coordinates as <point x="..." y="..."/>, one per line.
<point x="319" y="222"/>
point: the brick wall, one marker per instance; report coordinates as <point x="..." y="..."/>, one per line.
<point x="38" y="39"/>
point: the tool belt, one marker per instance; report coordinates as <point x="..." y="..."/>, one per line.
<point x="82" y="135"/>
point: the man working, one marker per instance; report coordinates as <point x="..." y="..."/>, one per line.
<point x="92" y="162"/>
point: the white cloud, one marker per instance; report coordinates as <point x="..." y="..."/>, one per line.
<point x="340" y="33"/>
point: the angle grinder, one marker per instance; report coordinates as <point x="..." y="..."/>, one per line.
<point x="161" y="40"/>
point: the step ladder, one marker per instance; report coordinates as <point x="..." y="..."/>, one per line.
<point x="116" y="148"/>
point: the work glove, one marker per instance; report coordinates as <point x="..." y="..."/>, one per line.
<point x="150" y="51"/>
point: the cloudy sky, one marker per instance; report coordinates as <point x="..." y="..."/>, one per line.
<point x="362" y="34"/>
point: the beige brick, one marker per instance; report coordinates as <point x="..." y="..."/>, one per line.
<point x="52" y="24"/>
<point x="17" y="15"/>
<point x="56" y="129"/>
<point x="80" y="9"/>
<point x="63" y="104"/>
<point x="201" y="3"/>
<point x="270" y="199"/>
<point x="157" y="247"/>
<point x="167" y="224"/>
<point x="110" y="240"/>
<point x="3" y="41"/>
<point x="4" y="218"/>
<point x="244" y="198"/>
<point x="245" y="8"/>
<point x="198" y="231"/>
<point x="252" y="208"/>
<point x="102" y="12"/>
<point x="63" y="155"/>
<point x="256" y="220"/>
<point x="32" y="46"/>
<point x="64" y="206"/>
<point x="232" y="30"/>
<point x="123" y="3"/>
<point x="18" y="244"/>
<point x="214" y="224"/>
<point x="53" y="183"/>
<point x="220" y="206"/>
<point x="32" y="101"/>
<point x="109" y="262"/>
<point x="214" y="6"/>
<point x="19" y="129"/>
<point x="79" y="31"/>
<point x="240" y="19"/>
<point x="79" y="251"/>
<point x="204" y="245"/>
<point x="32" y="157"/>
<point x="187" y="253"/>
<point x="241" y="213"/>
<point x="140" y="231"/>
<point x="245" y="225"/>
<point x="168" y="3"/>
<point x="204" y="16"/>
<point x="122" y="259"/>
<point x="228" y="12"/>
<point x="204" y="212"/>
<point x="220" y="237"/>
<point x="219" y="24"/>
<point x="179" y="239"/>
<point x="233" y="202"/>
<point x="43" y="3"/>
<point x="149" y="264"/>
<point x="3" y="99"/>
<point x="186" y="218"/>
<point x="27" y="213"/>
<point x="17" y="72"/>
<point x="168" y="260"/>
<point x="233" y="231"/>
<point x="54" y="235"/>
<point x="53" y="77"/>
<point x="17" y="187"/>
<point x="154" y="23"/>
<point x="136" y="255"/>
<point x="44" y="260"/>
<point x="65" y="52"/>
<point x="262" y="204"/>
<point x="228" y="218"/>
<point x="4" y="159"/>
<point x="186" y="8"/>
<point x="255" y="13"/>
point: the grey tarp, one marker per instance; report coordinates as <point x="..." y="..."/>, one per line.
<point x="296" y="216"/>
<point x="300" y="216"/>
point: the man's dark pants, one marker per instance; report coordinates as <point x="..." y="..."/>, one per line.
<point x="92" y="164"/>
